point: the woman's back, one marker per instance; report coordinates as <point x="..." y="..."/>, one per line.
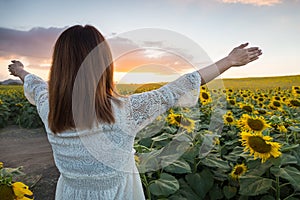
<point x="100" y="161"/>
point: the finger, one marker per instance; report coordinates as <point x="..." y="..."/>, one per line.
<point x="243" y="45"/>
<point x="252" y="49"/>
<point x="252" y="59"/>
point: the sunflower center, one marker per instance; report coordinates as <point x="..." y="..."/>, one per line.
<point x="238" y="171"/>
<point x="276" y="104"/>
<point x="178" y="118"/>
<point x="232" y="102"/>
<point x="277" y="98"/>
<point x="247" y="108"/>
<point x="262" y="112"/>
<point x="259" y="145"/>
<point x="255" y="124"/>
<point x="295" y="103"/>
<point x="260" y="99"/>
<point x="229" y="119"/>
<point x="205" y="95"/>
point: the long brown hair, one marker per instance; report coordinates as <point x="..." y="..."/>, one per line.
<point x="93" y="94"/>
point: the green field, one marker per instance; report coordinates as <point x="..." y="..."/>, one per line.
<point x="284" y="82"/>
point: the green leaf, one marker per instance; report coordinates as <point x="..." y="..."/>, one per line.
<point x="164" y="186"/>
<point x="256" y="168"/>
<point x="288" y="147"/>
<point x="185" y="192"/>
<point x="267" y="197"/>
<point x="164" y="136"/>
<point x="253" y="185"/>
<point x="229" y="191"/>
<point x="213" y="161"/>
<point x="149" y="161"/>
<point x="294" y="128"/>
<point x="178" y="167"/>
<point x="292" y="175"/>
<point x="190" y="154"/>
<point x="288" y="159"/>
<point x="216" y="192"/>
<point x="201" y="182"/>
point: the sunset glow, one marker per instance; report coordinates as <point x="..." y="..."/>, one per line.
<point x="216" y="26"/>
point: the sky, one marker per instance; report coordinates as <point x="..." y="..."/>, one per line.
<point x="172" y="31"/>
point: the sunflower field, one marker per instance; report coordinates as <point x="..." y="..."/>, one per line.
<point x="15" y="109"/>
<point x="234" y="144"/>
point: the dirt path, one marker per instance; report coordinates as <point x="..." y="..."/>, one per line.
<point x="30" y="148"/>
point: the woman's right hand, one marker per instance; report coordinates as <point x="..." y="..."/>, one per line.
<point x="16" y="68"/>
<point x="240" y="55"/>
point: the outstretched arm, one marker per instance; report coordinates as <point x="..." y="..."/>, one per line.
<point x="17" y="69"/>
<point x="239" y="56"/>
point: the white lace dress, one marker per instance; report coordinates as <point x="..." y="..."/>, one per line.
<point x="99" y="163"/>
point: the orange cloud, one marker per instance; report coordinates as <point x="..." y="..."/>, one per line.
<point x="254" y="2"/>
<point x="136" y="61"/>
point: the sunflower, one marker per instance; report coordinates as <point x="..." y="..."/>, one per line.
<point x="255" y="97"/>
<point x="282" y="129"/>
<point x="260" y="146"/>
<point x="231" y="100"/>
<point x="247" y="107"/>
<point x="136" y="159"/>
<point x="296" y="90"/>
<point x="275" y="104"/>
<point x="238" y="171"/>
<point x="260" y="99"/>
<point x="205" y="97"/>
<point x="181" y="121"/>
<point x="262" y="111"/>
<point x="20" y="190"/>
<point x="294" y="103"/>
<point x="187" y="124"/>
<point x="173" y="118"/>
<point x="252" y="124"/>
<point x="228" y="118"/>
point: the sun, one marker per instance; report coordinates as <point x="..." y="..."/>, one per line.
<point x="238" y="171"/>
<point x="260" y="146"/>
<point x="252" y="124"/>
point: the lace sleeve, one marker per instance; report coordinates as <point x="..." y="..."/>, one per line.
<point x="145" y="107"/>
<point x="36" y="92"/>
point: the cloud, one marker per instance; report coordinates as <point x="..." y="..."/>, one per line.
<point x="37" y="42"/>
<point x="254" y="2"/>
<point x="34" y="49"/>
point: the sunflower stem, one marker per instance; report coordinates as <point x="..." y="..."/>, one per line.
<point x="146" y="184"/>
<point x="286" y="138"/>
<point x="295" y="137"/>
<point x="277" y="188"/>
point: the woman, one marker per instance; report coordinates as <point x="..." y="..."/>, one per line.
<point x="92" y="133"/>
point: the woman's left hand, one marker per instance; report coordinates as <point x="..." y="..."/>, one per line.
<point x="240" y="55"/>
